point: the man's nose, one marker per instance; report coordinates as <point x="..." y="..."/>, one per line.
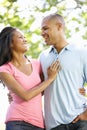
<point x="42" y="33"/>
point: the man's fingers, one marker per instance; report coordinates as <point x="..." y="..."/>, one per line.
<point x="76" y="119"/>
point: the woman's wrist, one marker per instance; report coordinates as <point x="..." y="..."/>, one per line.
<point x="50" y="79"/>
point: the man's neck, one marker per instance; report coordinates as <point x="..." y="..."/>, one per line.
<point x="59" y="48"/>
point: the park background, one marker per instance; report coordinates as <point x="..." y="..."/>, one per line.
<point x="26" y="15"/>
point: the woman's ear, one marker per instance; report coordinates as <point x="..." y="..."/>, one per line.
<point x="11" y="45"/>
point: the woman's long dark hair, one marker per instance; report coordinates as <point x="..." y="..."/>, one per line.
<point x="5" y="44"/>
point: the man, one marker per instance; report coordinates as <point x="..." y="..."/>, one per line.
<point x="65" y="107"/>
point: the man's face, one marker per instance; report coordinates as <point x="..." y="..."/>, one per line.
<point x="49" y="31"/>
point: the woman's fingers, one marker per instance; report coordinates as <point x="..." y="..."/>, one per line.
<point x="55" y="65"/>
<point x="82" y="91"/>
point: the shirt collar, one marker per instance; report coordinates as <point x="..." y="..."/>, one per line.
<point x="67" y="47"/>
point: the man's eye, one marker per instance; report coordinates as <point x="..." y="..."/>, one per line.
<point x="45" y="28"/>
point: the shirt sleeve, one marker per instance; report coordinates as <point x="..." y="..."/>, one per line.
<point x="6" y="68"/>
<point x="40" y="67"/>
<point x="84" y="64"/>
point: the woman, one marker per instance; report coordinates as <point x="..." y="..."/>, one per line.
<point x="22" y="78"/>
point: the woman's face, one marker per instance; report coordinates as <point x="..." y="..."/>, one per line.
<point x="19" y="43"/>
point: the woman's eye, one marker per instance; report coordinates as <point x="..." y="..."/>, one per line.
<point x="20" y="37"/>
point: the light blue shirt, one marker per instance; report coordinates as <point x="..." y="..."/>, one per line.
<point x="62" y="99"/>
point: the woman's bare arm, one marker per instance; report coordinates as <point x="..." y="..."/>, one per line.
<point x="14" y="86"/>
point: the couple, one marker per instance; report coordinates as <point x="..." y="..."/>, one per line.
<point x="65" y="71"/>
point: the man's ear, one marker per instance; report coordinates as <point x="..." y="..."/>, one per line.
<point x="59" y="26"/>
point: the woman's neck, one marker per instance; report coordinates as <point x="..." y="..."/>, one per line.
<point x="19" y="60"/>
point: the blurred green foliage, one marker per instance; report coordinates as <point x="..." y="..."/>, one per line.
<point x="10" y="16"/>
